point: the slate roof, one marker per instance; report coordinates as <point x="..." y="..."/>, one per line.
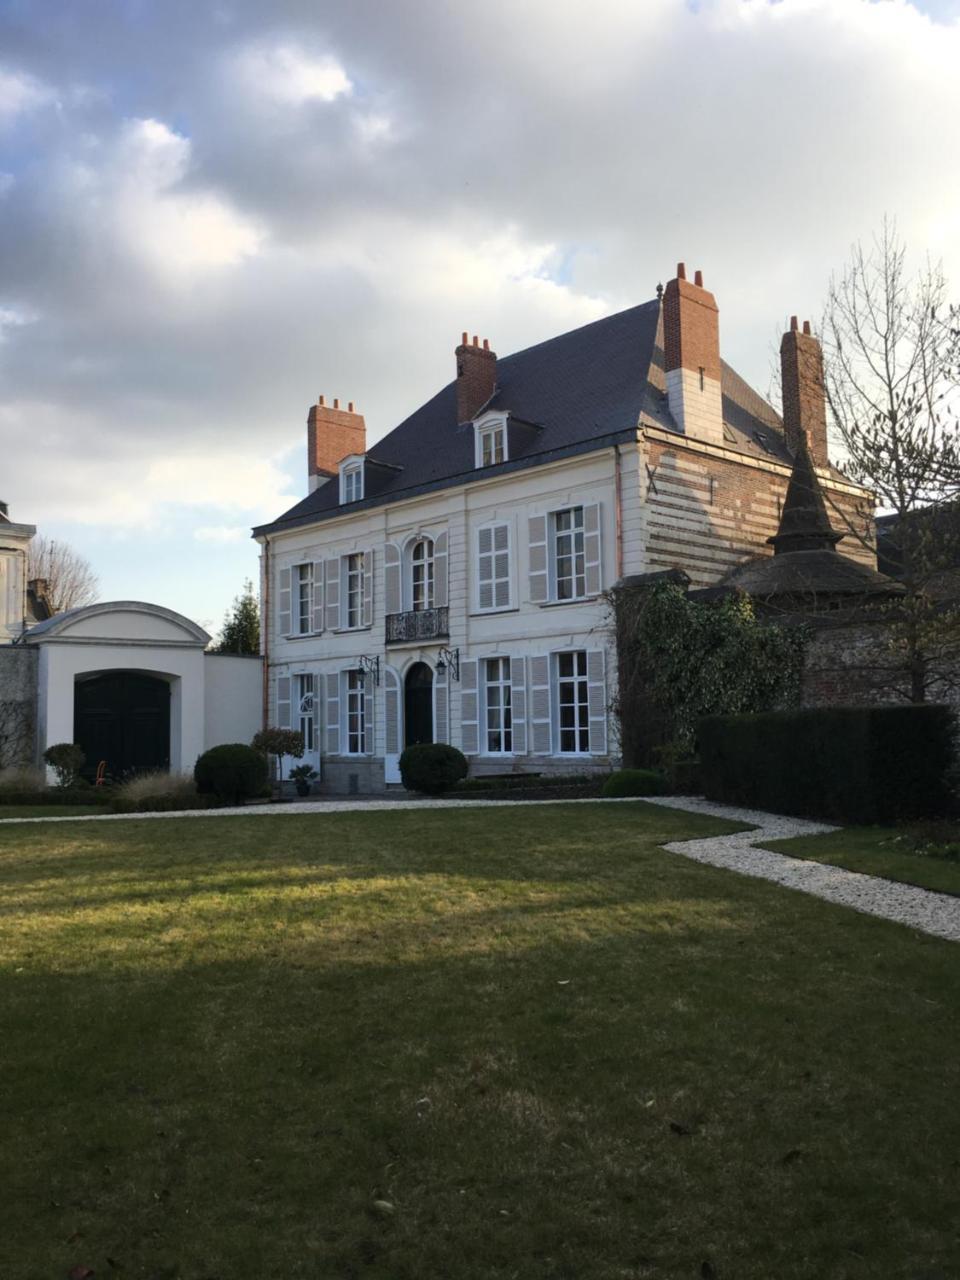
<point x="592" y="386"/>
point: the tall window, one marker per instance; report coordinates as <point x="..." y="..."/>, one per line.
<point x="493" y="567"/>
<point x="352" y="484"/>
<point x="306" y="710"/>
<point x="573" y="703"/>
<point x="568" y="553"/>
<point x="421" y="574"/>
<point x="499" y="718"/>
<point x="353" y="589"/>
<point x="356" y="720"/>
<point x="491" y="447"/>
<point x="304" y="597"/>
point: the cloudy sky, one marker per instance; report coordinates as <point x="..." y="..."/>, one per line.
<point x="211" y="212"/>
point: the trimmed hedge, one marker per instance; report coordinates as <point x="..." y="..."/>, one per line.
<point x="527" y="781"/>
<point x="851" y="764"/>
<point x="233" y="772"/>
<point x="432" y="767"/>
<point x="170" y="803"/>
<point x="634" y="782"/>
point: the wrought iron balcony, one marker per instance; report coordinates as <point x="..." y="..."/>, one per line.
<point x="419" y="624"/>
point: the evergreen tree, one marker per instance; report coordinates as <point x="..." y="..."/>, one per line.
<point x="240" y="632"/>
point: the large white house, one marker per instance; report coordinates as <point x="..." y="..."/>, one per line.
<point x="448" y="583"/>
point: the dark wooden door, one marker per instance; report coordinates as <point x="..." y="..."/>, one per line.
<point x="123" y="717"/>
<point x="418" y="705"/>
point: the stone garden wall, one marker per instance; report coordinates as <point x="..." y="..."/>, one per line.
<point x="18" y="705"/>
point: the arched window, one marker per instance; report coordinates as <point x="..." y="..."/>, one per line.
<point x="421" y="575"/>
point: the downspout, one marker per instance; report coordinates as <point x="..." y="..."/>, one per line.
<point x="618" y="504"/>
<point x="265" y="633"/>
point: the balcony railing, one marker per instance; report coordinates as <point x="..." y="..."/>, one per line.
<point x="420" y="624"/>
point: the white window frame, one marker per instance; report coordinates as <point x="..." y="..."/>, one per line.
<point x="490" y="437"/>
<point x="351" y="479"/>
<point x="348" y="574"/>
<point x="578" y="576"/>
<point x="429" y="579"/>
<point x="580" y="703"/>
<point x="499" y="706"/>
<point x="302" y="620"/>
<point x="354" y="702"/>
<point x="491" y="557"/>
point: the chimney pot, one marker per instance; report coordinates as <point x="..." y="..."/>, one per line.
<point x="350" y="407"/>
<point x="465" y="338"/>
<point x="793" y="323"/>
<point x="681" y="271"/>
<point x="322" y="401"/>
<point x="476" y="342"/>
<point x="486" y="344"/>
<point x="806" y="327"/>
<point x="336" y="404"/>
<point x="698" y="278"/>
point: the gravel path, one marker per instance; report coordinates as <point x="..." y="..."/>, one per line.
<point x="934" y="913"/>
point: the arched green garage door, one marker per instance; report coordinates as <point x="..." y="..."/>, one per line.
<point x="123" y="717"/>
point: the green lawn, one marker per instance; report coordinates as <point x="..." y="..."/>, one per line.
<point x="48" y="810"/>
<point x="877" y="851"/>
<point x="465" y="1043"/>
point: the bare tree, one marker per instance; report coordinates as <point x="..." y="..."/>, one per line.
<point x="70" y="581"/>
<point x="892" y="380"/>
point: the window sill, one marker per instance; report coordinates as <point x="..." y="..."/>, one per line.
<point x="559" y="604"/>
<point x="350" y="631"/>
<point x="303" y="635"/>
<point x="492" y="613"/>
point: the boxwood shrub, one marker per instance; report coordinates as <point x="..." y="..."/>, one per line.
<point x="634" y="782"/>
<point x="432" y="767"/>
<point x="851" y="764"/>
<point x="233" y="772"/>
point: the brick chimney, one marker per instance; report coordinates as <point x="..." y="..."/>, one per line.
<point x="804" y="404"/>
<point x="476" y="377"/>
<point x="691" y="340"/>
<point x="332" y="435"/>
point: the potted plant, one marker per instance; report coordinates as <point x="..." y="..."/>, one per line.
<point x="301" y="776"/>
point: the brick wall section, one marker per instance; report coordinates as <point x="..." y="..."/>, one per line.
<point x="18" y="703"/>
<point x="691" y="326"/>
<point x="332" y="435"/>
<point x="804" y="407"/>
<point x="707" y="514"/>
<point x="476" y="377"/>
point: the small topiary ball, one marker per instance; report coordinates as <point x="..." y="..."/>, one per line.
<point x="432" y="767"/>
<point x="233" y="772"/>
<point x="634" y="782"/>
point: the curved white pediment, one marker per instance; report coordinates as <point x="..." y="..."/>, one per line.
<point x="120" y="622"/>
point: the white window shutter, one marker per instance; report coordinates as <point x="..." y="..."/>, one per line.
<point x="518" y="706"/>
<point x="537" y="535"/>
<point x="592" y="563"/>
<point x="368" y="588"/>
<point x="283" y="702"/>
<point x="541" y="728"/>
<point x="369" y="694"/>
<point x="391" y="711"/>
<point x="317" y="620"/>
<point x="485" y="567"/>
<point x="441" y="706"/>
<point x="501" y="566"/>
<point x="332" y="594"/>
<point x="597" y="701"/>
<point x="284" y="603"/>
<point x="441" y="592"/>
<point x="332" y="716"/>
<point x="469" y="722"/>
<point x="391" y="578"/>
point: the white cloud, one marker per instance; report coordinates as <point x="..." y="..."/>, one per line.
<point x="288" y="75"/>
<point x="20" y="93"/>
<point x="221" y="534"/>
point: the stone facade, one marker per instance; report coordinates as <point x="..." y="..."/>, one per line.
<point x="18" y="705"/>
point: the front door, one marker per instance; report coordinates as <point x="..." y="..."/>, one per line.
<point x="418" y="705"/>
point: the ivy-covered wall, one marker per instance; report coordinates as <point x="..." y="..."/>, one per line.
<point x="681" y="658"/>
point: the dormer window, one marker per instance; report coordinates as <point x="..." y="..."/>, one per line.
<point x="491" y="439"/>
<point x="351" y="480"/>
